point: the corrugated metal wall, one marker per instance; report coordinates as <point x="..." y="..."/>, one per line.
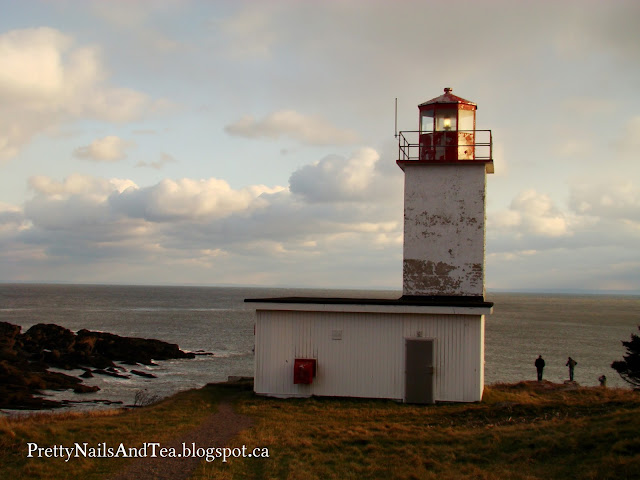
<point x="362" y="354"/>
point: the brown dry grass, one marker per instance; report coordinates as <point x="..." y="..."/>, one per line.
<point x="523" y="431"/>
<point x="155" y="423"/>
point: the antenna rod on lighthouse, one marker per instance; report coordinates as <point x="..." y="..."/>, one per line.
<point x="396" y="117"/>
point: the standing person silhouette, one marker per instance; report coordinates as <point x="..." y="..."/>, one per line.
<point x="539" y="363"/>
<point x="571" y="363"/>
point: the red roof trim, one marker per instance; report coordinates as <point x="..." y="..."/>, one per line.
<point x="447" y="97"/>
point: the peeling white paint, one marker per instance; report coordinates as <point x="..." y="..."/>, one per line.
<point x="444" y="229"/>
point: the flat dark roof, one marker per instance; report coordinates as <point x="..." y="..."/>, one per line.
<point x="405" y="300"/>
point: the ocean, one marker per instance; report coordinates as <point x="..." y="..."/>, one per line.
<point x="589" y="328"/>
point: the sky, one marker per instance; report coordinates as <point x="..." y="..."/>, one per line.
<point x="252" y="142"/>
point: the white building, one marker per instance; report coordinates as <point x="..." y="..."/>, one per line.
<point x="428" y="345"/>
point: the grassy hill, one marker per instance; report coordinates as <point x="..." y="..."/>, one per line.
<point x="528" y="430"/>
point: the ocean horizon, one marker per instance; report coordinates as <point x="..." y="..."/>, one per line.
<point x="489" y="291"/>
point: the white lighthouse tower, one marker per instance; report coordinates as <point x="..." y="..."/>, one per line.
<point x="444" y="200"/>
<point x="428" y="345"/>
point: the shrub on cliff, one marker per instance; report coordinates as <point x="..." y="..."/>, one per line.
<point x="629" y="368"/>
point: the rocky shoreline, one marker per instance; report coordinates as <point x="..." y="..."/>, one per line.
<point x="25" y="359"/>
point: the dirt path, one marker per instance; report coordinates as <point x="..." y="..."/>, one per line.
<point x="215" y="431"/>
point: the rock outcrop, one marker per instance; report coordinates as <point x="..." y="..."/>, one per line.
<point x="26" y="357"/>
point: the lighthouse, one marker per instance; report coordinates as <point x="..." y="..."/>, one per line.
<point x="445" y="164"/>
<point x="427" y="345"/>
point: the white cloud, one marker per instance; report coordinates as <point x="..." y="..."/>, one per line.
<point x="288" y="123"/>
<point x="84" y="221"/>
<point x="505" y="219"/>
<point x="77" y="203"/>
<point x="613" y="200"/>
<point x="335" y="178"/>
<point x="45" y="80"/>
<point x="262" y="233"/>
<point x="77" y="184"/>
<point x="106" y="149"/>
<point x="175" y="200"/>
<point x="31" y="63"/>
<point x="538" y="214"/>
<point x="535" y="244"/>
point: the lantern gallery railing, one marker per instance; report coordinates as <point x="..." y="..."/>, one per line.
<point x="447" y="145"/>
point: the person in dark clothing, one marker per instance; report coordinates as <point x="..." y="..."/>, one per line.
<point x="539" y="363"/>
<point x="571" y="363"/>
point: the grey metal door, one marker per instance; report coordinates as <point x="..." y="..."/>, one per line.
<point x="419" y="370"/>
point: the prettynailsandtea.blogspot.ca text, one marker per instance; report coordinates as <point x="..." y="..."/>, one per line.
<point x="147" y="450"/>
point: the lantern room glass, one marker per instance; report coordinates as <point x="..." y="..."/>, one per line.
<point x="426" y="121"/>
<point x="466" y="120"/>
<point x="446" y="120"/>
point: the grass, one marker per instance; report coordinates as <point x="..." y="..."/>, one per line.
<point x="153" y="423"/>
<point x="522" y="431"/>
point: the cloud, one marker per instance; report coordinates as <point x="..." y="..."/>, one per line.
<point x="158" y="164"/>
<point x="567" y="268"/>
<point x="533" y="213"/>
<point x="244" y="235"/>
<point x="77" y="184"/>
<point x="262" y="234"/>
<point x="612" y="201"/>
<point x="536" y="244"/>
<point x="335" y="178"/>
<point x="46" y="80"/>
<point x="106" y="149"/>
<point x="288" y="123"/>
<point x="11" y="220"/>
<point x="187" y="199"/>
<point x="73" y="205"/>
<point x="592" y="244"/>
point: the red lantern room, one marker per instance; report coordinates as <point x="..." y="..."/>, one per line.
<point x="447" y="133"/>
<point x="447" y="128"/>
